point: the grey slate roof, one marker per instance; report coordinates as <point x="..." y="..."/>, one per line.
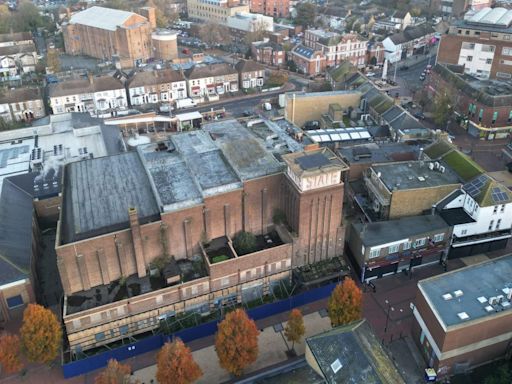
<point x="383" y="232"/>
<point x="358" y="351"/>
<point x="78" y="86"/>
<point x="303" y="51"/>
<point x="16" y="210"/>
<point x="99" y="192"/>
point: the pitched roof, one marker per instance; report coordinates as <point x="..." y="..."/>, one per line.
<point x="155" y="77"/>
<point x="20" y="94"/>
<point x="15" y="49"/>
<point x="16" y="36"/>
<point x="103" y="18"/>
<point x="16" y="209"/>
<point x="353" y="354"/>
<point x="212" y="70"/>
<point x="248" y="66"/>
<point x="94" y="84"/>
<point x="438" y="149"/>
<point x="302" y="50"/>
<point x="342" y="71"/>
<point x="487" y="192"/>
<point x="411" y="33"/>
<point x="465" y="167"/>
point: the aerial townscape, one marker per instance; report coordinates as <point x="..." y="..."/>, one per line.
<point x="255" y="191"/>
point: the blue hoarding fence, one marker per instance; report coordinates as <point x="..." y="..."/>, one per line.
<point x="151" y="343"/>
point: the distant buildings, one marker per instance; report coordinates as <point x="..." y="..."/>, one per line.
<point x="456" y="8"/>
<point x="18" y="55"/>
<point x="462" y="318"/>
<point x="217" y="11"/>
<point x="110" y="34"/>
<point x="412" y="40"/>
<point x="484" y="107"/>
<point x="242" y="23"/>
<point x="268" y="52"/>
<point x="21" y="104"/>
<point x="337" y="47"/>
<point x="274" y="8"/>
<point x="398" y="21"/>
<point x="101" y="96"/>
<point x="481" y="42"/>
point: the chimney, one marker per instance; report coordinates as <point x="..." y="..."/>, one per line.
<point x="90" y="78"/>
<point x="137" y="242"/>
<point x="150" y="14"/>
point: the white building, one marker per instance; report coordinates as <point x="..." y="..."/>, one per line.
<point x="100" y="96"/>
<point x="481" y="215"/>
<point x="18" y="55"/>
<point x="248" y="22"/>
<point x="211" y="81"/>
<point x="21" y="104"/>
<point x="152" y="87"/>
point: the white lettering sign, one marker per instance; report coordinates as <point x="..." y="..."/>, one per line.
<point x="321" y="180"/>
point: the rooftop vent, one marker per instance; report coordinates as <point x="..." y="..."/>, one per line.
<point x="458" y="293"/>
<point x="336" y="366"/>
<point x="421" y="178"/>
<point x="506" y="304"/>
<point x="463" y="315"/>
<point x="447" y="296"/>
<point x="493" y="300"/>
<point x="489" y="308"/>
<point x="482" y="299"/>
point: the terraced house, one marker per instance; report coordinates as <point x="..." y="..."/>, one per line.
<point x="159" y="86"/>
<point x="155" y="235"/>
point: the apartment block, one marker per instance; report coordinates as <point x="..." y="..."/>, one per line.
<point x="274" y="8"/>
<point x="337" y="47"/>
<point x="166" y="246"/>
<point x="481" y="42"/>
<point x="109" y="34"/>
<point x="216" y="11"/>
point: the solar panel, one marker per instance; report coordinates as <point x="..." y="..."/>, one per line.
<point x="316" y="160"/>
<point x="474" y="187"/>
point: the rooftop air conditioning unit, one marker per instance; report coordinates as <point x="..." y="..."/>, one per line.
<point x="493" y="300"/>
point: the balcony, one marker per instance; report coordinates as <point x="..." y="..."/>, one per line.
<point x="481" y="238"/>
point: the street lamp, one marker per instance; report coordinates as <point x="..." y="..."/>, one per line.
<point x="390" y="308"/>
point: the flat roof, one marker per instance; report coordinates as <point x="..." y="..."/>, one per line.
<point x="383" y="232"/>
<point x="379" y="153"/>
<point x="333" y="135"/>
<point x="413" y="175"/>
<point x="470" y="289"/>
<point x="243" y="151"/>
<point x="314" y="162"/>
<point x="101" y="17"/>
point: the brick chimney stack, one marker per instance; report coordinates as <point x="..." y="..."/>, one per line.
<point x="137" y="242"/>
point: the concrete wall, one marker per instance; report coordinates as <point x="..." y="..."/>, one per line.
<point x="305" y="108"/>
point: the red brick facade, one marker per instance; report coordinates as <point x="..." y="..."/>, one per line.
<point x="274" y="8"/>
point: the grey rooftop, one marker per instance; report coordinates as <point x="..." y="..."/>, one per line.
<point x="383" y="232"/>
<point x="470" y="289"/>
<point x="413" y="175"/>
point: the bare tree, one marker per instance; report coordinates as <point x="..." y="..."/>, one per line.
<point x="212" y="33"/>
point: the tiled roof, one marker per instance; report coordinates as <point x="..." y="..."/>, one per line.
<point x="202" y="71"/>
<point x="20" y="94"/>
<point x="74" y="87"/>
<point x="248" y="66"/>
<point x="155" y="77"/>
<point x="17" y="36"/>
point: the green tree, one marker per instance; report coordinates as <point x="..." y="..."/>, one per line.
<point x="27" y="17"/>
<point x="373" y="60"/>
<point x="244" y="242"/>
<point x="442" y="108"/>
<point x="345" y="303"/>
<point x="306" y="14"/>
<point x="295" y="329"/>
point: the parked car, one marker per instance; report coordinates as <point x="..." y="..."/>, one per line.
<point x="419" y="115"/>
<point x="404" y="68"/>
<point x="422" y="77"/>
<point x="370" y="74"/>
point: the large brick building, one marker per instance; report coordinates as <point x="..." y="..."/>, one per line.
<point x="481" y="42"/>
<point x="462" y="319"/>
<point x="107" y="33"/>
<point x="485" y="106"/>
<point x="275" y="8"/>
<point x="152" y="237"/>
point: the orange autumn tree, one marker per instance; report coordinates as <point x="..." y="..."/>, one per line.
<point x="345" y="303"/>
<point x="294" y="329"/>
<point x="114" y="373"/>
<point x="41" y="334"/>
<point x="10" y="353"/>
<point x="236" y="342"/>
<point x="175" y="364"/>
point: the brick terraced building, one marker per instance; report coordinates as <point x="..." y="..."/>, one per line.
<point x="151" y="236"/>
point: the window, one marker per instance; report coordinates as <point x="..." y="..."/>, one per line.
<point x="459" y="31"/>
<point x="393" y="249"/>
<point x="480" y="114"/>
<point x="502" y="208"/>
<point x="464" y="231"/>
<point x="495" y="211"/>
<point x="15" y="301"/>
<point x="439" y="237"/>
<point x="467" y="32"/>
<point x="469" y="58"/>
<point x="374" y="253"/>
<point x="488" y="61"/>
<point x="100" y="336"/>
<point x="123" y="329"/>
<point x="419" y="242"/>
<point x="498" y="223"/>
<point x="509" y="117"/>
<point x="491" y="224"/>
<point x="494" y="117"/>
<point x="477" y="33"/>
<point x="406" y="246"/>
<point x="506" y="51"/>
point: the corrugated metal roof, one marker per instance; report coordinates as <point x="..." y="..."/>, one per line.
<point x="492" y="16"/>
<point x="99" y="17"/>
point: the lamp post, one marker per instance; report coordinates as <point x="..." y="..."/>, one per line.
<point x="390" y="308"/>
